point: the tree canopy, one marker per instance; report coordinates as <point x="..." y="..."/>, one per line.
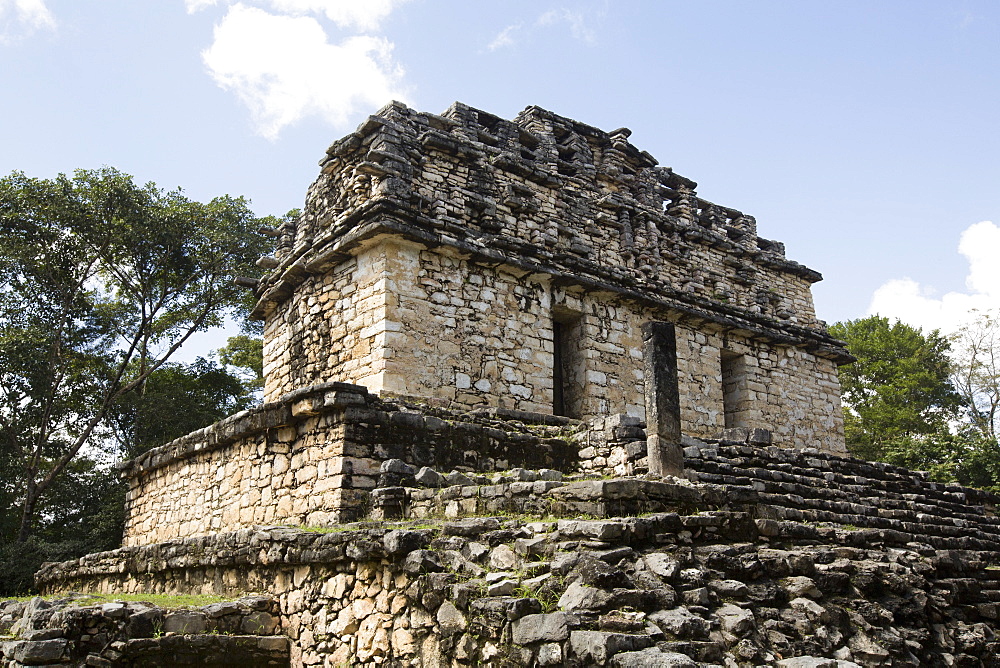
<point x="101" y="282"/>
<point x="922" y="401"/>
<point x="899" y="387"/>
<point x="976" y="373"/>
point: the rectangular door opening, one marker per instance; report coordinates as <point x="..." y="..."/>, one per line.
<point x="568" y="370"/>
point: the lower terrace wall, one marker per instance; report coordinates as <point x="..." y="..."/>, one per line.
<point x="77" y="630"/>
<point x="403" y="319"/>
<point x="785" y="558"/>
<point x="312" y="458"/>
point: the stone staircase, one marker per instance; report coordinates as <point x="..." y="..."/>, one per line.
<point x="73" y="631"/>
<point x="804" y="486"/>
<point x="763" y="556"/>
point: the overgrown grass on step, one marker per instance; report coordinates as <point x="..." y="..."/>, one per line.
<point x="166" y="601"/>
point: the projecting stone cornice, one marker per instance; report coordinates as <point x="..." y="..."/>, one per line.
<point x="388" y="217"/>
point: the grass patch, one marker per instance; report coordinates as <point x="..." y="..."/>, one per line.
<point x="166" y="601"/>
<point x="337" y="529"/>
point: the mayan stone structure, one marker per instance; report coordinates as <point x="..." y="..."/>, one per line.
<point x="486" y="262"/>
<point x="530" y="402"/>
<point x="529" y="271"/>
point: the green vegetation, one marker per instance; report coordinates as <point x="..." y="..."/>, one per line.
<point x="898" y="389"/>
<point x="341" y="528"/>
<point x="547" y="595"/>
<point x="165" y="601"/>
<point x="101" y="282"/>
<point x="924" y="401"/>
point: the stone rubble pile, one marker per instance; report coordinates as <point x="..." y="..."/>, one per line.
<point x="882" y="502"/>
<point x="73" y="631"/>
<point x="707" y="586"/>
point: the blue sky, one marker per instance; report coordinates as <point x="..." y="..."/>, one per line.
<point x="864" y="135"/>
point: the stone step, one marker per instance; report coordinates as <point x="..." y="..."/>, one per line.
<point x="701" y="651"/>
<point x="207" y="650"/>
<point x="889" y="532"/>
<point x="892" y="479"/>
<point x="942" y="524"/>
<point x="834" y="487"/>
<point x="167" y="650"/>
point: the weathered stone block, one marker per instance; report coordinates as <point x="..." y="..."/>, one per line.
<point x="40" y="652"/>
<point x="185" y="622"/>
<point x="596" y="647"/>
<point x="552" y="627"/>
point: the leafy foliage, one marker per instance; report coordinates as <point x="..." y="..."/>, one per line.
<point x="175" y="400"/>
<point x="900" y="386"/>
<point x="83" y="512"/>
<point x="245" y="353"/>
<point x="976" y="373"/>
<point x="924" y="402"/>
<point x="101" y="282"/>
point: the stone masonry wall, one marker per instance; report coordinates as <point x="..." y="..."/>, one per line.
<point x="311" y="459"/>
<point x="333" y="332"/>
<point x="438" y="324"/>
<point x="74" y="630"/>
<point x="544" y="183"/>
<point x="437" y="256"/>
<point x="786" y="559"/>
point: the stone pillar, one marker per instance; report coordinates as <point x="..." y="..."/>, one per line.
<point x="663" y="404"/>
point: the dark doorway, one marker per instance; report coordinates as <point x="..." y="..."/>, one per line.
<point x="568" y="367"/>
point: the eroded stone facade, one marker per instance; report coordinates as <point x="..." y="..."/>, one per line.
<point x="312" y="458"/>
<point x="460" y="264"/>
<point x="775" y="557"/>
<point x="485" y="262"/>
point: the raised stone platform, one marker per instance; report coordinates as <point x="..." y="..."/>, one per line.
<point x="313" y="457"/>
<point x="75" y="631"/>
<point x="787" y="556"/>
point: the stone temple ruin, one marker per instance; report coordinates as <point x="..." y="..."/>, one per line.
<point x="513" y="264"/>
<point x="531" y="401"/>
<point x="537" y="266"/>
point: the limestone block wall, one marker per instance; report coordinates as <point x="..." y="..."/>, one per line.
<point x="330" y="331"/>
<point x="76" y="630"/>
<point x="476" y="261"/>
<point x="282" y="463"/>
<point x="783" y="558"/>
<point x="406" y="320"/>
<point x="474" y="334"/>
<point x="547" y="187"/>
<point x="311" y="459"/>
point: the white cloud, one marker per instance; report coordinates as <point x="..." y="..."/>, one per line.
<point x="283" y="68"/>
<point x="197" y="5"/>
<point x="917" y="305"/>
<point x="360" y="14"/>
<point x="576" y="20"/>
<point x="365" y="15"/>
<point x="504" y="38"/>
<point x="19" y="18"/>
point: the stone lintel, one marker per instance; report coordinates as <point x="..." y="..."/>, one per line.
<point x="396" y="219"/>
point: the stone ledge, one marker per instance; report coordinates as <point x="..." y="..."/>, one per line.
<point x="724" y="230"/>
<point x="74" y="630"/>
<point x="356" y="406"/>
<point x="583" y="590"/>
<point x="397" y="219"/>
<point x="288" y="410"/>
